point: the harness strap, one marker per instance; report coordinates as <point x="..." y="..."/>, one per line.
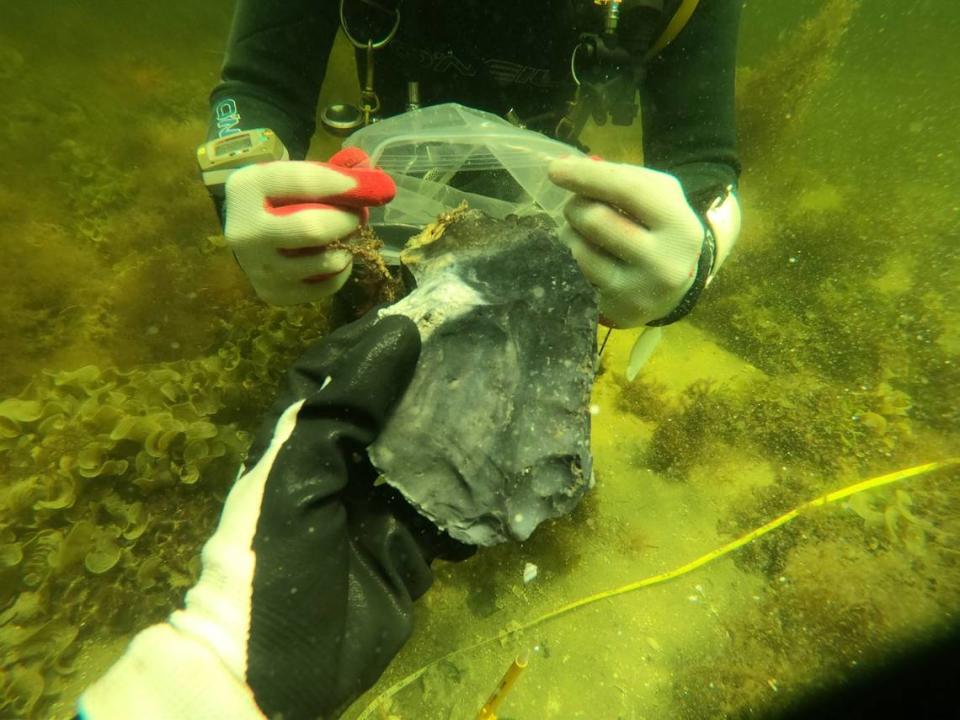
<point x="676" y="24"/>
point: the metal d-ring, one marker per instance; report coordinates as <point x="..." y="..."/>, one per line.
<point x="369" y="45"/>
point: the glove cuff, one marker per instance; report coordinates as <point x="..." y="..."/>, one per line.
<point x="166" y="674"/>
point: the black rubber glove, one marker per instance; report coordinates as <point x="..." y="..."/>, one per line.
<point x="308" y="582"/>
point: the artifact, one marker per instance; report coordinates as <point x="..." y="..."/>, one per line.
<point x="493" y="434"/>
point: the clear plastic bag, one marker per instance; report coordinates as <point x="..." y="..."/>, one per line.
<point x="442" y="155"/>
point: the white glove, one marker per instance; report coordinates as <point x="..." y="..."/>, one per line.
<point x="281" y="216"/>
<point x="633" y="234"/>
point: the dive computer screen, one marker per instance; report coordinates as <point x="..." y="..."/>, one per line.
<point x="233" y="145"/>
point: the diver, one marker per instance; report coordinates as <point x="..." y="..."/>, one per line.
<point x="307" y="585"/>
<point x="648" y="238"/>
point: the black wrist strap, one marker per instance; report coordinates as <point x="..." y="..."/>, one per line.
<point x="708" y="253"/>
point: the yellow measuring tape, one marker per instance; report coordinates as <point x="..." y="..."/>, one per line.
<point x="826" y="499"/>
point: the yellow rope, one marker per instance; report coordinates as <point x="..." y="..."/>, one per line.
<point x="826" y="499"/>
<point x="676" y="24"/>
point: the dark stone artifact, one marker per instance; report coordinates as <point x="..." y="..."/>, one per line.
<point x="493" y="434"/>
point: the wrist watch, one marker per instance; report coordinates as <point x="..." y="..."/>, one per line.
<point x="220" y="157"/>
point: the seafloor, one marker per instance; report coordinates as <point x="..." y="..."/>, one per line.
<point x="135" y="360"/>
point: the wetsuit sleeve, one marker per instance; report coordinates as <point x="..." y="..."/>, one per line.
<point x="689" y="125"/>
<point x="275" y="62"/>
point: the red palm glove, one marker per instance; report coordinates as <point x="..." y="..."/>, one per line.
<point x="281" y="217"/>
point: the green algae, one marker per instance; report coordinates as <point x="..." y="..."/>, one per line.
<point x="120" y="477"/>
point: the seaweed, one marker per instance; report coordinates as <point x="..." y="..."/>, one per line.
<point x="117" y="479"/>
<point x="818" y="623"/>
<point x="775" y="99"/>
<point x="682" y="435"/>
<point x="797" y="420"/>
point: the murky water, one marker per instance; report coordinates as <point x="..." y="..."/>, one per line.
<point x="826" y="353"/>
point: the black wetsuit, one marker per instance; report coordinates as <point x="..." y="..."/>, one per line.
<point x="493" y="55"/>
